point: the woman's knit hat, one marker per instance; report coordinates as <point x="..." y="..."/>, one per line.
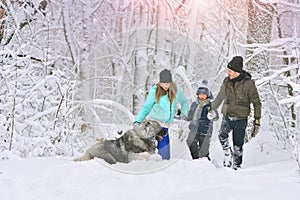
<point x="165" y="76"/>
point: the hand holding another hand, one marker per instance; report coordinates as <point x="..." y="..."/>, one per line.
<point x="179" y="115"/>
<point x="212" y="115"/>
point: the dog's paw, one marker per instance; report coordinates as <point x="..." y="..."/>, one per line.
<point x="145" y="155"/>
<point x="140" y="156"/>
<point x="100" y="139"/>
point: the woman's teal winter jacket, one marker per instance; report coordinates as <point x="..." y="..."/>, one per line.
<point x="162" y="111"/>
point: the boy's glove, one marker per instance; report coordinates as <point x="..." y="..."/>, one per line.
<point x="212" y="115"/>
<point x="256" y="125"/>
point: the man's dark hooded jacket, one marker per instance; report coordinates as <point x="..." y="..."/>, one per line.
<point x="237" y="95"/>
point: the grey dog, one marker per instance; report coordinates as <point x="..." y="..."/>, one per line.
<point x="135" y="144"/>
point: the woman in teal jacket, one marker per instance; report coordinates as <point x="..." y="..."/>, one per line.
<point x="161" y="106"/>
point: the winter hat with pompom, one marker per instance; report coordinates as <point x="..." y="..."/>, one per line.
<point x="203" y="88"/>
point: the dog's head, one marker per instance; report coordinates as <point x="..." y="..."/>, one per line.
<point x="141" y="138"/>
<point x="150" y="129"/>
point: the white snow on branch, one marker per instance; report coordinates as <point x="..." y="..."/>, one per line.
<point x="103" y="102"/>
<point x="41" y="114"/>
<point x="180" y="71"/>
<point x="274" y="43"/>
<point x="290" y="100"/>
<point x="275" y="74"/>
<point x="286" y="3"/>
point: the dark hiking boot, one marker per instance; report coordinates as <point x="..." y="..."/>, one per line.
<point x="227" y="162"/>
<point x="237" y="157"/>
<point x="236" y="166"/>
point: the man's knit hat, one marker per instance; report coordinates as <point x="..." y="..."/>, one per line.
<point x="236" y="64"/>
<point x="165" y="76"/>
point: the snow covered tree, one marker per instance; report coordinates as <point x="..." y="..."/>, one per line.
<point x="70" y="67"/>
<point x="34" y="82"/>
<point x="260" y="17"/>
<point x="276" y="50"/>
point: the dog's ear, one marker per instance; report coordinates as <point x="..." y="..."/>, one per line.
<point x="120" y="132"/>
<point x="162" y="132"/>
<point x="147" y="123"/>
<point x="159" y="136"/>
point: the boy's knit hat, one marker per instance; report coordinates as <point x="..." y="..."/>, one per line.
<point x="203" y="88"/>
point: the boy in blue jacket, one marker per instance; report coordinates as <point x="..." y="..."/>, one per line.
<point x="201" y="126"/>
<point x="161" y="106"/>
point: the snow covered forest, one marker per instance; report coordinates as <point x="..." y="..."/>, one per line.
<point x="70" y="69"/>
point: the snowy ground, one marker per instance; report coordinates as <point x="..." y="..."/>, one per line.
<point x="264" y="176"/>
<point x="60" y="178"/>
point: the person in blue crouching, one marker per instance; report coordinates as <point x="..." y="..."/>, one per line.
<point x="160" y="105"/>
<point x="201" y="125"/>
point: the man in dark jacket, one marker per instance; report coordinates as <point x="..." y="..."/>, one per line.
<point x="237" y="92"/>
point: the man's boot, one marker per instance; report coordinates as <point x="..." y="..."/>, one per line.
<point x="227" y="162"/>
<point x="237" y="157"/>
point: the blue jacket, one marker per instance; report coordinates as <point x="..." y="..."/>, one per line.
<point x="162" y="111"/>
<point x="202" y="125"/>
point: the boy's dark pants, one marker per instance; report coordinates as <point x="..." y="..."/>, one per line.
<point x="198" y="145"/>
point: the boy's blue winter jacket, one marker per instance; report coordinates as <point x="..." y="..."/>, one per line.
<point x="162" y="111"/>
<point x="204" y="125"/>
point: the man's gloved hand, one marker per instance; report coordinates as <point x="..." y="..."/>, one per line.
<point x="136" y="124"/>
<point x="256" y="125"/>
<point x="212" y="115"/>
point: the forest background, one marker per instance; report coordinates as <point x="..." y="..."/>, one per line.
<point x="70" y="69"/>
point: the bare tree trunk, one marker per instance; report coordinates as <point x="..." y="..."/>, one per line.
<point x="287" y="61"/>
<point x="260" y="17"/>
<point x="68" y="33"/>
<point x="143" y="58"/>
<point x="259" y="31"/>
<point x="12" y="128"/>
